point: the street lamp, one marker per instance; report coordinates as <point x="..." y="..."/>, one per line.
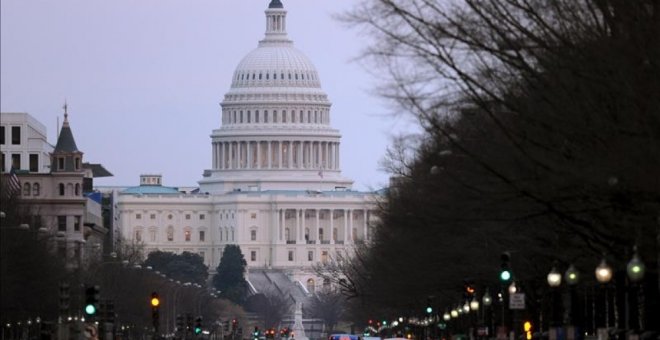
<point x="474" y="305"/>
<point x="635" y="267"/>
<point x="604" y="275"/>
<point x="554" y="278"/>
<point x="572" y="278"/>
<point x="486" y="299"/>
<point x="603" y="272"/>
<point x="554" y="281"/>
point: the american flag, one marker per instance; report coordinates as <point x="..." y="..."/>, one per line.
<point x="12" y="182"/>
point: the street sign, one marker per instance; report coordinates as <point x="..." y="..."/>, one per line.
<point x="517" y="301"/>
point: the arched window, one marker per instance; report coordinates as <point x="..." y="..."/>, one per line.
<point x="310" y="285"/>
<point x="61" y="188"/>
<point x="36" y="190"/>
<point x="77" y="189"/>
<point x="27" y="190"/>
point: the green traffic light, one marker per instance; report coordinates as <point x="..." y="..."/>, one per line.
<point x="90" y="309"/>
<point x="505" y="275"/>
<point x="198" y="330"/>
<point x="429" y="310"/>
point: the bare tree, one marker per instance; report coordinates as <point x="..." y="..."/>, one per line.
<point x="540" y="124"/>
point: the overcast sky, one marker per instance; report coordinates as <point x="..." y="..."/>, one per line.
<point x="144" y="79"/>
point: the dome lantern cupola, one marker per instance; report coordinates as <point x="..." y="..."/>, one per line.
<point x="275" y="24"/>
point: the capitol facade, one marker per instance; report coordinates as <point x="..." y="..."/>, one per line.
<point x="275" y="187"/>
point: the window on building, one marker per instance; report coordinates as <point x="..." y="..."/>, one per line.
<point x="201" y="216"/>
<point x="16" y="135"/>
<point x="16" y="160"/>
<point x="36" y="189"/>
<point x="61" y="223"/>
<point x="138" y="216"/>
<point x="152" y="235"/>
<point x="201" y="236"/>
<point x="27" y="189"/>
<point x="34" y="162"/>
<point x="77" y="163"/>
<point x="202" y="255"/>
<point x="187" y="216"/>
<point x="60" y="163"/>
<point x="169" y="217"/>
<point x="253" y="255"/>
<point x="290" y="255"/>
<point x="170" y="233"/>
<point x="321" y="234"/>
<point x="152" y="216"/>
<point x="77" y="189"/>
<point x="138" y="235"/>
<point x="335" y="232"/>
<point x="310" y="255"/>
<point x="186" y="234"/>
<point x="253" y="216"/>
<point x="253" y="235"/>
<point x="2" y="135"/>
<point x="76" y="223"/>
<point x="324" y="256"/>
<point x="61" y="189"/>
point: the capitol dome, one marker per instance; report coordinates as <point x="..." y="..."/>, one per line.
<point x="276" y="132"/>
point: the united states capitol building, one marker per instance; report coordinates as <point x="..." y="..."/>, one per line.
<point x="275" y="187"/>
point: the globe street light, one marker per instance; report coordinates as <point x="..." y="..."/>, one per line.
<point x="554" y="281"/>
<point x="554" y="278"/>
<point x="572" y="275"/>
<point x="603" y="272"/>
<point x="635" y="267"/>
<point x="604" y="275"/>
<point x="572" y="278"/>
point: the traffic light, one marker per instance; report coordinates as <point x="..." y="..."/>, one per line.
<point x="155" y="309"/>
<point x="255" y="334"/>
<point x="527" y="327"/>
<point x="225" y="326"/>
<point x="270" y="333"/>
<point x="429" y="308"/>
<point x="92" y="297"/>
<point x="468" y="289"/>
<point x="198" y="325"/>
<point x="65" y="298"/>
<point x="234" y="325"/>
<point x="179" y="322"/>
<point x="505" y="271"/>
<point x="110" y="311"/>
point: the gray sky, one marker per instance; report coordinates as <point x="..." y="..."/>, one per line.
<point x="144" y="79"/>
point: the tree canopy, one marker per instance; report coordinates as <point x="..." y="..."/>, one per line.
<point x="184" y="267"/>
<point x="540" y="136"/>
<point x="230" y="275"/>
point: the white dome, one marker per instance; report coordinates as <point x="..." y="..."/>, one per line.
<point x="275" y="65"/>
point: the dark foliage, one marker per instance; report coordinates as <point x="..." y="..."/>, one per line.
<point x="184" y="267"/>
<point x="230" y="275"/>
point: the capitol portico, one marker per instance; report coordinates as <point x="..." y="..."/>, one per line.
<point x="275" y="186"/>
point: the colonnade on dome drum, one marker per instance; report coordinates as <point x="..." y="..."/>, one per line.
<point x="276" y="154"/>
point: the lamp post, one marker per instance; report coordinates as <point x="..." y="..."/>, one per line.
<point x="635" y="270"/>
<point x="554" y="281"/>
<point x="487" y="301"/>
<point x="604" y="276"/>
<point x="572" y="278"/>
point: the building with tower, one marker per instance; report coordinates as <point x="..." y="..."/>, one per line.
<point x="54" y="186"/>
<point x="275" y="187"/>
